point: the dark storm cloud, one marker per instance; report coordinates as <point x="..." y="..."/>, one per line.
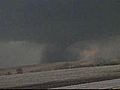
<point x="55" y="23"/>
<point x="58" y="21"/>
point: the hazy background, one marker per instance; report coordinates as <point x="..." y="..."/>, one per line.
<point x="45" y="31"/>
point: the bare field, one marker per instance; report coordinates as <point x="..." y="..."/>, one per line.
<point x="57" y="78"/>
<point x="46" y="67"/>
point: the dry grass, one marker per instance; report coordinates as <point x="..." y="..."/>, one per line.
<point x="47" y="67"/>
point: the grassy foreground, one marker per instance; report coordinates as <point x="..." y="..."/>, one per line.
<point x="48" y="67"/>
<point x="61" y="77"/>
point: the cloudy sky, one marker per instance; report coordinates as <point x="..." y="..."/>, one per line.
<point x="58" y="20"/>
<point x="61" y="22"/>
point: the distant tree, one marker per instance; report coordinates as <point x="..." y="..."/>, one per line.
<point x="9" y="73"/>
<point x="19" y="71"/>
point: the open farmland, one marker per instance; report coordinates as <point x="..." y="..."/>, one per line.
<point x="48" y="67"/>
<point x="57" y="78"/>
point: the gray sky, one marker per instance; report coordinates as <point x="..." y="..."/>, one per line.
<point x="58" y="21"/>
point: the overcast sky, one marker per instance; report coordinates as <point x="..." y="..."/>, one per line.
<point x="58" y="21"/>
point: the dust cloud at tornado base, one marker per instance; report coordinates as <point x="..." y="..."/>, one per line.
<point x="102" y="51"/>
<point x="17" y="53"/>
